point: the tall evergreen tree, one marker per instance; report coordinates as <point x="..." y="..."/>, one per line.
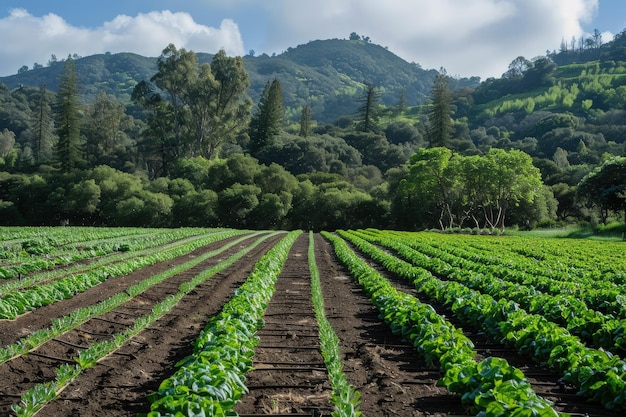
<point x="267" y="121"/>
<point x="68" y="150"/>
<point x="43" y="127"/>
<point x="306" y="118"/>
<point x="367" y="111"/>
<point x="440" y="126"/>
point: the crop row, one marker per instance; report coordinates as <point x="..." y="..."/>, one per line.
<point x="491" y="387"/>
<point x="19" y="302"/>
<point x="587" y="261"/>
<point x="345" y="398"/>
<point x="604" y="295"/>
<point x="77" y="317"/>
<point x="161" y="242"/>
<point x="35" y="398"/>
<point x="24" y="240"/>
<point x="41" y="259"/>
<point x="597" y="374"/>
<point x="211" y="380"/>
<point x="597" y="329"/>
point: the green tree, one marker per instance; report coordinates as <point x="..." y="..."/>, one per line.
<point x="367" y="113"/>
<point x="76" y="202"/>
<point x="510" y="178"/>
<point x="267" y="121"/>
<point x="605" y="187"/>
<point x="68" y="150"/>
<point x="447" y="189"/>
<point x="103" y="128"/>
<point x="42" y="139"/>
<point x="236" y="203"/>
<point x="517" y="68"/>
<point x="233" y="104"/>
<point x="306" y="120"/>
<point x="159" y="144"/>
<point x="432" y="180"/>
<point x="198" y="209"/>
<point x="176" y="71"/>
<point x="218" y="102"/>
<point x="440" y="125"/>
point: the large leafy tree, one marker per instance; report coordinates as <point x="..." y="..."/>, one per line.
<point x="159" y="142"/>
<point x="68" y="150"/>
<point x="605" y="186"/>
<point x="232" y="104"/>
<point x="194" y="108"/>
<point x="509" y="178"/>
<point x="449" y="189"/>
<point x="440" y="127"/>
<point x="105" y="117"/>
<point x="176" y="71"/>
<point x="432" y="180"/>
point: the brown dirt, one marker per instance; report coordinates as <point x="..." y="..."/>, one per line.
<point x="289" y="376"/>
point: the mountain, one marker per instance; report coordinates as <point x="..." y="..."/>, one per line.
<point x="327" y="74"/>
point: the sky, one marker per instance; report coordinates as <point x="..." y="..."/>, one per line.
<point x="465" y="37"/>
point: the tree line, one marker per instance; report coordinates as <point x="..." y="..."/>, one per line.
<point x="192" y="149"/>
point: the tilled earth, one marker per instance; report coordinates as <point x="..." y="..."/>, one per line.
<point x="289" y="376"/>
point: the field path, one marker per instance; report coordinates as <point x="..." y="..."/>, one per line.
<point x="289" y="375"/>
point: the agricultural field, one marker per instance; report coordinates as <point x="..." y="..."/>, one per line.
<point x="224" y="322"/>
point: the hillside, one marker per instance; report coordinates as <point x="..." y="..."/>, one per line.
<point x="325" y="73"/>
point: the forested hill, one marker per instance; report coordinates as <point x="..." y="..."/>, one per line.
<point x="327" y="74"/>
<point x="331" y="134"/>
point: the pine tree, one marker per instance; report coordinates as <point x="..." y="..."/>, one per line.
<point x="43" y="128"/>
<point x="267" y="121"/>
<point x="367" y="112"/>
<point x="440" y="115"/>
<point x="68" y="150"/>
<point x="305" y="121"/>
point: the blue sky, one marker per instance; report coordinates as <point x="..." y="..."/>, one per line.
<point x="466" y="37"/>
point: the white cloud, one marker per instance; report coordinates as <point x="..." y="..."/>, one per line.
<point x="34" y="39"/>
<point x="467" y="37"/>
<point x="477" y="37"/>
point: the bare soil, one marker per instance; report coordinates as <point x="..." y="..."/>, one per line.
<point x="289" y="376"/>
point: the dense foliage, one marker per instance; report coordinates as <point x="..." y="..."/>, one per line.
<point x="339" y="137"/>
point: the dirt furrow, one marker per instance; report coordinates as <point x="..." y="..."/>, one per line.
<point x="289" y="376"/>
